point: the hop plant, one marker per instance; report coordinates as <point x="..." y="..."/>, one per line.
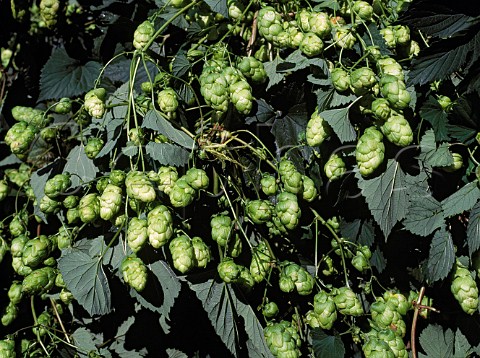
<point x="319" y="23"/>
<point x="202" y="252"/>
<point x="4" y="189"/>
<point x="7" y="348"/>
<point x="375" y="347"/>
<point x="241" y="96"/>
<point x="347" y="302"/>
<point x="259" y="211"/>
<point x="197" y="178"/>
<point x="292" y="182"/>
<point x="268" y="183"/>
<point x="397" y="130"/>
<point x="334" y="167"/>
<point x="456" y="165"/>
<point x="381" y="108"/>
<point x="57" y="185"/>
<point x="160" y="226"/>
<point x="137" y="234"/>
<point x="287" y="210"/>
<point x="221" y="226"/>
<point x="394" y="341"/>
<point x="93" y="147"/>
<point x="139" y="187"/>
<point x="143" y="34"/>
<point x="311" y="45"/>
<point x="89" y="208"/>
<point x="183" y="253"/>
<point x="361" y="259"/>
<point x="344" y="38"/>
<point x="282" y="339"/>
<point x="182" y="194"/>
<point x="310" y="192"/>
<point x="464" y="289"/>
<point x="10" y="314"/>
<point x="270" y="309"/>
<point x="167" y="176"/>
<point x="394" y="91"/>
<point x="36" y="251"/>
<point x="19" y="137"/>
<point x="387" y="317"/>
<point x="388" y="34"/>
<point x="134" y="272"/>
<point x="228" y="270"/>
<point x="296" y="277"/>
<point x="214" y="89"/>
<point x="95" y="102"/>
<point x="253" y="69"/>
<point x="261" y="262"/>
<point x="15" y="293"/>
<point x="167" y="100"/>
<point x="269" y="23"/>
<point x="39" y="281"/>
<point x="363" y="10"/>
<point x="325" y="310"/>
<point x="362" y="79"/>
<point x="317" y="130"/>
<point x="110" y="201"/>
<point x="370" y="151"/>
<point x="340" y="79"/>
<point x="49" y="206"/>
<point x="48" y="11"/>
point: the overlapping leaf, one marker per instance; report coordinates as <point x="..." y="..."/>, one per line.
<point x="441" y="256"/>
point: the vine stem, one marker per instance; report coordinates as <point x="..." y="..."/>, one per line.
<point x="52" y="301"/>
<point x="414" y="322"/>
<point x="39" y="339"/>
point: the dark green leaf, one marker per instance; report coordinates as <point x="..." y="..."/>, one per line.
<point x="271" y="68"/>
<point x="463" y="134"/>
<point x="378" y="260"/>
<point x="341" y="100"/>
<point x="440" y="25"/>
<point x="462" y="347"/>
<point x="424" y="215"/>
<point x="386" y="196"/>
<point x="433" y="113"/>
<point x="373" y="34"/>
<point x="63" y="76"/>
<point x="219" y="6"/>
<point x="85" y="341"/>
<point x="288" y="129"/>
<point x="297" y="61"/>
<point x="324" y="97"/>
<point x="85" y="278"/>
<point x="327" y="4"/>
<point x="220" y="309"/>
<point x="430" y="155"/>
<point x="264" y="112"/>
<point x="462" y="200"/>
<point x="441" y="256"/>
<point x="340" y="123"/>
<point x="361" y="231"/>
<point x="130" y="150"/>
<point x="118" y="346"/>
<point x="80" y="167"/>
<point x="181" y="65"/>
<point x="9" y="160"/>
<point x="326" y="346"/>
<point x="156" y="121"/>
<point x="167" y="154"/>
<point x="473" y="229"/>
<point x="439" y="344"/>
<point x="175" y="353"/>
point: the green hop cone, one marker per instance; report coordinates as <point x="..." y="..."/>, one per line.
<point x="370" y="151"/>
<point x="221" y="226"/>
<point x="7" y="348"/>
<point x="117" y="177"/>
<point x="387" y="317"/>
<point x="70" y="201"/>
<point x="360" y="261"/>
<point x="361" y="80"/>
<point x="325" y="310"/>
<point x="4" y="189"/>
<point x="464" y="289"/>
<point x="134" y="272"/>
<point x="397" y="130"/>
<point x="397" y="301"/>
<point x="292" y="182"/>
<point x="57" y="185"/>
<point x="445" y="102"/>
<point x="228" y="270"/>
<point x="282" y="339"/>
<point x="183" y="253"/>
<point x="44" y="321"/>
<point x="377" y="348"/>
<point x="36" y="251"/>
<point x="93" y="147"/>
<point x="302" y="281"/>
<point x="143" y="34"/>
<point x="381" y="108"/>
<point x="259" y="211"/>
<point x="15" y="293"/>
<point x="139" y="187"/>
<point x="19" y="267"/>
<point x="311" y="45"/>
<point x="317" y="130"/>
<point x="63" y="106"/>
<point x="347" y="302"/>
<point x="394" y="91"/>
<point x="402" y="34"/>
<point x="94" y="102"/>
<point x="389" y="66"/>
<point x="182" y="194"/>
<point x="261" y="262"/>
<point x="394" y="341"/>
<point x="167" y="176"/>
<point x="268" y="183"/>
<point x="136" y="136"/>
<point x="49" y="12"/>
<point x="310" y="192"/>
<point x="66" y="296"/>
<point x="363" y="10"/>
<point x="269" y="23"/>
<point x="10" y="314"/>
<point x="110" y="201"/>
<point x="214" y="89"/>
<point x="288" y="210"/>
<point x="89" y="208"/>
<point x="39" y="281"/>
<point x="388" y="34"/>
<point x="197" y="178"/>
<point x="19" y="137"/>
<point x="137" y="234"/>
<point x="64" y="238"/>
<point x="202" y="252"/>
<point x="253" y="69"/>
<point x="241" y="96"/>
<point x="17" y="245"/>
<point x="344" y="38"/>
<point x="319" y="23"/>
<point x="340" y="79"/>
<point x="73" y="215"/>
<point x="270" y="309"/>
<point x="49" y="206"/>
<point x="160" y="226"/>
<point x="234" y="247"/>
<point x="334" y="167"/>
<point x="456" y="165"/>
<point x="167" y="100"/>
<point x="302" y="18"/>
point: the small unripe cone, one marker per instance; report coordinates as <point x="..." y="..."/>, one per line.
<point x="110" y="201"/>
<point x="135" y="272"/>
<point x="137" y="234"/>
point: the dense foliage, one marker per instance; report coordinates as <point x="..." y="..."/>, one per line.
<point x="229" y="178"/>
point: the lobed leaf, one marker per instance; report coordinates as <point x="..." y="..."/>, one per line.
<point x="167" y="154"/>
<point x="433" y="113"/>
<point x="340" y="123"/>
<point x="81" y="168"/>
<point x="462" y="200"/>
<point x="156" y="120"/>
<point x="473" y="229"/>
<point x="326" y="346"/>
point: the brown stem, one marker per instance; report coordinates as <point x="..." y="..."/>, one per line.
<point x="254" y="34"/>
<point x="52" y="301"/>
<point x="414" y="323"/>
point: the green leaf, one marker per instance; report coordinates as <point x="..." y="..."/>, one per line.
<point x="156" y="121"/>
<point x="378" y="260"/>
<point x="118" y="346"/>
<point x="80" y="167"/>
<point x="326" y="346"/>
<point x="441" y="257"/>
<point x="360" y="231"/>
<point x="424" y="215"/>
<point x="86" y="341"/>
<point x="386" y="196"/>
<point x="85" y="278"/>
<point x="473" y="229"/>
<point x="430" y="155"/>
<point x="340" y="123"/>
<point x="219" y="6"/>
<point x="220" y="309"/>
<point x="264" y="112"/>
<point x="175" y="353"/>
<point x="374" y="37"/>
<point x="130" y="150"/>
<point x="462" y="200"/>
<point x="167" y="154"/>
<point x="63" y="76"/>
<point x="274" y="77"/>
<point x="324" y="97"/>
<point x="37" y="182"/>
<point x="338" y="99"/>
<point x="180" y="65"/>
<point x="288" y="129"/>
<point x="297" y="61"/>
<point x="433" y="113"/>
<point x="437" y="343"/>
<point x="9" y="160"/>
<point x="440" y="25"/>
<point x="463" y="134"/>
